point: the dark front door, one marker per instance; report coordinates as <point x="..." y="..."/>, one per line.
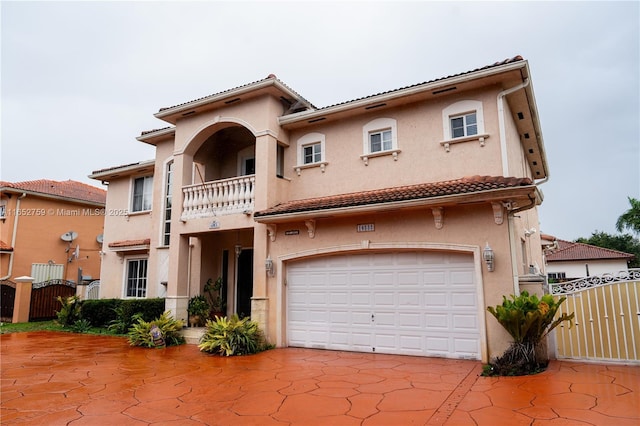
<point x="245" y="283"/>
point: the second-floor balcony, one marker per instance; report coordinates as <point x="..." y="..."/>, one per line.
<point x="221" y="197"/>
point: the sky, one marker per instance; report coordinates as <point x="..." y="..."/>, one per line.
<point x="81" y="80"/>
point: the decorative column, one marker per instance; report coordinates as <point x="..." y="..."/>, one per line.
<point x="22" y="302"/>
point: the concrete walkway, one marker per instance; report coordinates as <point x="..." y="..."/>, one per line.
<point x="69" y="379"/>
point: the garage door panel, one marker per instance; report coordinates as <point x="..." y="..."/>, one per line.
<point x="461" y="278"/>
<point x="465" y="322"/>
<point x="415" y="303"/>
<point x="437" y="321"/>
<point x="436" y="300"/>
<point x="409" y="299"/>
<point x="463" y="300"/>
<point x="433" y="278"/>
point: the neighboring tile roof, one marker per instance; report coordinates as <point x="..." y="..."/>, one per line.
<point x="5" y="247"/>
<point x="130" y="243"/>
<point x="464" y="185"/>
<point x="67" y="189"/>
<point x="568" y="251"/>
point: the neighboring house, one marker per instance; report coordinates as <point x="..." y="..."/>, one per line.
<point x="567" y="260"/>
<point x="50" y="230"/>
<point x="369" y="225"/>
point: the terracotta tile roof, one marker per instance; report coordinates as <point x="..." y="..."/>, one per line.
<point x="495" y="64"/>
<point x="130" y="243"/>
<point x="5" y="247"/>
<point x="146" y="132"/>
<point x="269" y="77"/>
<point x="272" y="76"/>
<point x="464" y="185"/>
<point x="568" y="251"/>
<point x="67" y="189"/>
<point x="123" y="166"/>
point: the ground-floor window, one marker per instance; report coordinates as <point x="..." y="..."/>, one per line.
<point x="136" y="278"/>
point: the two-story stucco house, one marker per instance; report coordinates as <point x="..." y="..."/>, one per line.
<point x="382" y="224"/>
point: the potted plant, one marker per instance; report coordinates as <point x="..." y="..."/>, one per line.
<point x="213" y="291"/>
<point x="198" y="309"/>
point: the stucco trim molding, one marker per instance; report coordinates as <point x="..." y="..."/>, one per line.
<point x="217" y="120"/>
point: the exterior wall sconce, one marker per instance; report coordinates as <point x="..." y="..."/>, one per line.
<point x="238" y="248"/>
<point x="488" y="257"/>
<point x="268" y="266"/>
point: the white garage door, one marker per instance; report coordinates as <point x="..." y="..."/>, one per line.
<point x="422" y="303"/>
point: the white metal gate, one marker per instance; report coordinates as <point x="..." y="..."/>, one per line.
<point x="607" y="317"/>
<point x="93" y="290"/>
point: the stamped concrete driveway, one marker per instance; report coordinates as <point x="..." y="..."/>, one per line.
<point x="68" y="379"/>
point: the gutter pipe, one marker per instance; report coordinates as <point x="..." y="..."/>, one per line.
<point x="13" y="238"/>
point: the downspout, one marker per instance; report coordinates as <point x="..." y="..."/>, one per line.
<point x="505" y="172"/>
<point x="501" y="124"/>
<point x="512" y="243"/>
<point x="13" y="237"/>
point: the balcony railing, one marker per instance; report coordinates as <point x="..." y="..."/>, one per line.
<point x="220" y="197"/>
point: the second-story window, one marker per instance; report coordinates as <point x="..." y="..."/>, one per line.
<point x="312" y="153"/>
<point x="464" y="125"/>
<point x="142" y="190"/>
<point x="380" y="140"/>
<point x="166" y="230"/>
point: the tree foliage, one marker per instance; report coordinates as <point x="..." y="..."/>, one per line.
<point x="631" y="218"/>
<point x="624" y="242"/>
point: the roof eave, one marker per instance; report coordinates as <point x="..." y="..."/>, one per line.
<point x="169" y="114"/>
<point x="52" y="196"/>
<point x="121" y="171"/>
<point x="429" y="86"/>
<point x="152" y="138"/>
<point x="448" y="200"/>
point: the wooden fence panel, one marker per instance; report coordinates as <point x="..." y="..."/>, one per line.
<point x="8" y="297"/>
<point x="44" y="303"/>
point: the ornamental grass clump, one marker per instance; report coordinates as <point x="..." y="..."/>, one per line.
<point x="231" y="336"/>
<point x="162" y="331"/>
<point x="528" y="320"/>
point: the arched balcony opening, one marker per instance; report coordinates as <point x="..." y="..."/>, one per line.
<point x="223" y="175"/>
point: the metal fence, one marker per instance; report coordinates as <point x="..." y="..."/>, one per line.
<point x="607" y="317"/>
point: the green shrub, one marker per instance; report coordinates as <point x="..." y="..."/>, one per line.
<point x="528" y="320"/>
<point x="100" y="312"/>
<point x="231" y="336"/>
<point x="140" y="333"/>
<point x="119" y="313"/>
<point x="70" y="310"/>
<point x="81" y="326"/>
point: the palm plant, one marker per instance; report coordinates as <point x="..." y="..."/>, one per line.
<point x="528" y="320"/>
<point x="631" y="218"/>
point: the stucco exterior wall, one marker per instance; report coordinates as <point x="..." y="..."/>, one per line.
<point x="38" y="232"/>
<point x="578" y="268"/>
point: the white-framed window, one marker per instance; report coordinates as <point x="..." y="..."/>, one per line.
<point x="3" y="210"/>
<point x="380" y="140"/>
<point x="136" y="278"/>
<point x="142" y="191"/>
<point x="166" y="225"/>
<point x="311" y="151"/>
<point x="557" y="275"/>
<point x="280" y="161"/>
<point x="464" y="125"/>
<point x="379" y="137"/>
<point x="463" y="119"/>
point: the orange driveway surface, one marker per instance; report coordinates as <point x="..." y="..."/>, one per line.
<point x="53" y="378"/>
